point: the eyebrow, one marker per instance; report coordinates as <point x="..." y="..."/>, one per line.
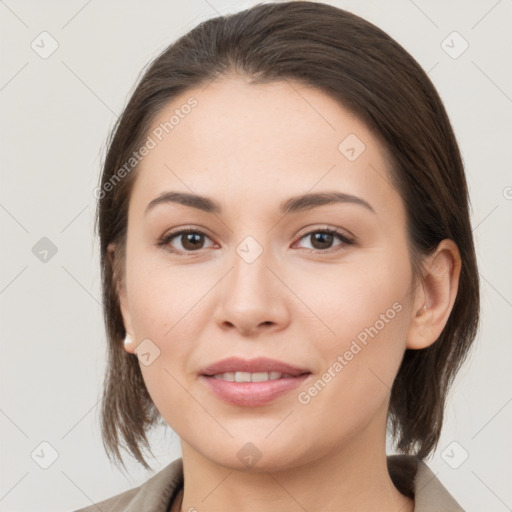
<point x="292" y="205"/>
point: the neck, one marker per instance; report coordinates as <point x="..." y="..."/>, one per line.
<point x="352" y="478"/>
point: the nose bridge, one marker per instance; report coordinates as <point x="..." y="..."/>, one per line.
<point x="250" y="275"/>
<point x="251" y="296"/>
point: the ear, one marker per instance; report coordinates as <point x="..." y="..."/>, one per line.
<point x="435" y="295"/>
<point x="119" y="284"/>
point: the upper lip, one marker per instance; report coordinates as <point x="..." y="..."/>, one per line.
<point x="259" y="364"/>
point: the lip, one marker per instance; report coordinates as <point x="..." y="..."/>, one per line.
<point x="252" y="394"/>
<point x="259" y="364"/>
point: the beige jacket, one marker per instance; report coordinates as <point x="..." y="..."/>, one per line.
<point x="158" y="492"/>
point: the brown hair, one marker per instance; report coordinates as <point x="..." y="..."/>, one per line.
<point x="372" y="75"/>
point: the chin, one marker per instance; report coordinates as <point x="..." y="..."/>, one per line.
<point x="258" y="456"/>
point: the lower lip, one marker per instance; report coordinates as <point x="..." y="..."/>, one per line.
<point x="252" y="394"/>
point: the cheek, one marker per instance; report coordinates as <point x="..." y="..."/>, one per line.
<point x="168" y="308"/>
<point x="163" y="294"/>
<point x="360" y="365"/>
<point x="362" y="313"/>
<point x="359" y="300"/>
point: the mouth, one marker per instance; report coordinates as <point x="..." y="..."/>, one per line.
<point x="252" y="383"/>
<point x="251" y="377"/>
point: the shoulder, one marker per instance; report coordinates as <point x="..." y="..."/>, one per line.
<point x="431" y="495"/>
<point x="155" y="494"/>
<point x="413" y="477"/>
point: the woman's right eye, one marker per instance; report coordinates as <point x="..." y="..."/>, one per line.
<point x="191" y="240"/>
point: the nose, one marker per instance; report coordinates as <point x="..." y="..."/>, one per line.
<point x="253" y="298"/>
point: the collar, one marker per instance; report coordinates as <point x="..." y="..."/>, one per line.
<point x="408" y="473"/>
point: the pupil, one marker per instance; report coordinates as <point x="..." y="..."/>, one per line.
<point x="193" y="239"/>
<point x="325" y="240"/>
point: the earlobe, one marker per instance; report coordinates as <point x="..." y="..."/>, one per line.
<point x="128" y="344"/>
<point x="435" y="298"/>
<point x="119" y="286"/>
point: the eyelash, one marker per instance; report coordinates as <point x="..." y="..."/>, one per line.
<point x="166" y="240"/>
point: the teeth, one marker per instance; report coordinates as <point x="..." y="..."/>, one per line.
<point x="242" y="377"/>
<point x="254" y="377"/>
<point x="250" y="377"/>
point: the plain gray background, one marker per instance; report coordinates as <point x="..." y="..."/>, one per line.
<point x="56" y="113"/>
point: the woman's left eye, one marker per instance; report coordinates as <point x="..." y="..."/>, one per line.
<point x="192" y="240"/>
<point x="322" y="239"/>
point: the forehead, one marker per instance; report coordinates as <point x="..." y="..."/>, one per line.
<point x="232" y="116"/>
<point x="247" y="142"/>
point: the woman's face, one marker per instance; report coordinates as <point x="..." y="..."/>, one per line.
<point x="257" y="279"/>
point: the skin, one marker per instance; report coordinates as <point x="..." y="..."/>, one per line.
<point x="250" y="147"/>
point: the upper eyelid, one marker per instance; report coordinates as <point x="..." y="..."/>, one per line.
<point x="325" y="227"/>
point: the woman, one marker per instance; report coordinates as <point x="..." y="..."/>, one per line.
<point x="288" y="268"/>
